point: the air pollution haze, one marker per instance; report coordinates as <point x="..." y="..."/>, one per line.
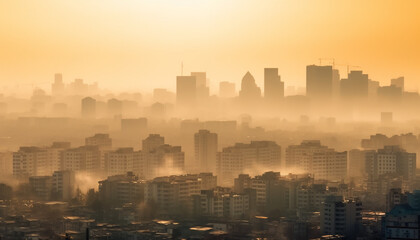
<point x="209" y="119"/>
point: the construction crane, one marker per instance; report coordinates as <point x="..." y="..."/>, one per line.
<point x="327" y="59"/>
<point x="348" y="66"/>
<point x="332" y="60"/>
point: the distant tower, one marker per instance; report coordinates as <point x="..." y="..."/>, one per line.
<point x="320" y="82"/>
<point x="250" y="93"/>
<point x="88" y="107"/>
<point x="186" y="91"/>
<point x="273" y="86"/>
<point x="57" y="88"/>
<point x="205" y="146"/>
<point x="398" y="82"/>
<point x="203" y="91"/>
<point x="355" y="87"/>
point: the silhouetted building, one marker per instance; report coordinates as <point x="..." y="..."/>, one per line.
<point x="202" y="88"/>
<point x="273" y="86"/>
<point x="398" y="82"/>
<point x="321" y="82"/>
<point x="186" y="93"/>
<point x="355" y="86"/>
<point x="390" y="95"/>
<point x="205" y="147"/>
<point x="373" y="89"/>
<point x="250" y="93"/>
<point x="58" y="87"/>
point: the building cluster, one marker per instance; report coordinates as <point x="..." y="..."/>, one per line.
<point x="321" y="161"/>
<point x="325" y="91"/>
<point x="207" y="178"/>
<point x="325" y="200"/>
<point x="97" y="158"/>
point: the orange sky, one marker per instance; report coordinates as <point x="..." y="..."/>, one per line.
<point x="139" y="45"/>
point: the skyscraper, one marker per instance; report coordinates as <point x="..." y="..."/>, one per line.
<point x="205" y="146"/>
<point x="356" y="86"/>
<point x="321" y="82"/>
<point x="202" y="90"/>
<point x="398" y="82"/>
<point x="186" y="93"/>
<point x="273" y="86"/>
<point x="250" y="92"/>
<point x="390" y="95"/>
<point x="57" y="88"/>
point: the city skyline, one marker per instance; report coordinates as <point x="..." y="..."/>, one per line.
<point x="209" y="119"/>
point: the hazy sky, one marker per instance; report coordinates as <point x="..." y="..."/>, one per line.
<point x="139" y="45"/>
